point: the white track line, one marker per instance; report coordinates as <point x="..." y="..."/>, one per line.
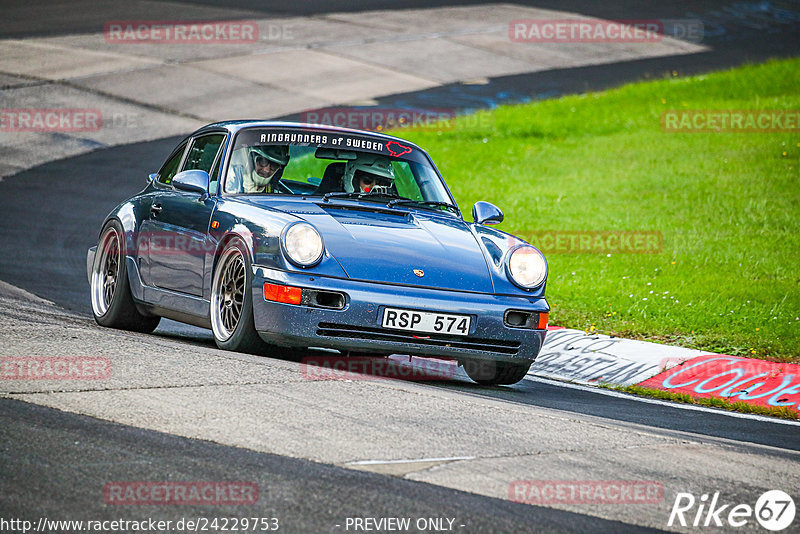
<point x="679" y="405"/>
<point x="410" y="461"/>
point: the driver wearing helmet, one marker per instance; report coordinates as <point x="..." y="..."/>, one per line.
<point x="369" y="173"/>
<point x="267" y="164"/>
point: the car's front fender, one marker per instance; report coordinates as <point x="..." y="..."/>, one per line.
<point x="496" y="245"/>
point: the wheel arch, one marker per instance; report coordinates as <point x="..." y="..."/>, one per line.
<point x="243" y="233"/>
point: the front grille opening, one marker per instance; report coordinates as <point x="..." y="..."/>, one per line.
<point x="494" y="346"/>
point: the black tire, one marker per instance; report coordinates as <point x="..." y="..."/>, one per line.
<point x="112" y="302"/>
<point x="232" y="301"/>
<point x="490" y="373"/>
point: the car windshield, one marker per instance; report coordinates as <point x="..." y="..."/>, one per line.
<point x="332" y="165"/>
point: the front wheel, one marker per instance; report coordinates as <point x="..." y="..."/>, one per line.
<point x="112" y="302"/>
<point x="491" y="373"/>
<point x="232" y="301"/>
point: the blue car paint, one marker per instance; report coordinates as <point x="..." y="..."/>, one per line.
<point x="442" y="246"/>
<point x="370" y="255"/>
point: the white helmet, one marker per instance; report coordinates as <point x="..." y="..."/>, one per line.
<point x="378" y="166"/>
<point x="275" y="154"/>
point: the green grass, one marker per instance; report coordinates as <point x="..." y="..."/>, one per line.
<point x="727" y="204"/>
<point x="783" y="412"/>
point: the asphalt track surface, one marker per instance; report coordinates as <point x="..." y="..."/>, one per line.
<point x="305" y="496"/>
<point x="50" y="214"/>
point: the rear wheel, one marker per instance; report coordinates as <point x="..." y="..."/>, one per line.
<point x="112" y="302"/>
<point x="232" y="301"/>
<point x="490" y="373"/>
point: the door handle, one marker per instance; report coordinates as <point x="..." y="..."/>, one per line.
<point x="155" y="209"/>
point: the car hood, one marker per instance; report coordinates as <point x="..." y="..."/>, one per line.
<point x="388" y="247"/>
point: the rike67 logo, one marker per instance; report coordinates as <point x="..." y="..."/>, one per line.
<point x="774" y="510"/>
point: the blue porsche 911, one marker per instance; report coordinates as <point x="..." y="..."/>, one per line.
<point x="276" y="234"/>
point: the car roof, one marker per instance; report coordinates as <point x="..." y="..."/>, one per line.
<point x="237" y="125"/>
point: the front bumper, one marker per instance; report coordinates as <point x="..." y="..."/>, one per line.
<point x="357" y="327"/>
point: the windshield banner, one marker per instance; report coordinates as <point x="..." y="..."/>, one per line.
<point x="327" y="139"/>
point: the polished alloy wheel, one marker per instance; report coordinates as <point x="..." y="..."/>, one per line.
<point x="105" y="274"/>
<point x="227" y="294"/>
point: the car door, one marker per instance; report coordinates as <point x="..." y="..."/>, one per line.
<point x="180" y="243"/>
<point x="148" y="238"/>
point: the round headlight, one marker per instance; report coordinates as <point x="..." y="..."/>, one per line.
<point x="302" y="244"/>
<point x="527" y="267"/>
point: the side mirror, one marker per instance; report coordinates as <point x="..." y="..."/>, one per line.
<point x="151" y="177"/>
<point x="194" y="181"/>
<point x="486" y="213"/>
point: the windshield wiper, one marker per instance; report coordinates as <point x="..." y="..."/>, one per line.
<point x="360" y="195"/>
<point x="424" y="203"/>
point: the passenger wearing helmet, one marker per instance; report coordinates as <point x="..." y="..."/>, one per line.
<point x="266" y="164"/>
<point x="368" y="173"/>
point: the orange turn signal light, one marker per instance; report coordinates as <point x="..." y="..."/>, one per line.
<point x="285" y="294"/>
<point x="543" y="317"/>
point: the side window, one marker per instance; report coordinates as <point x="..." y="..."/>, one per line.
<point x="202" y="155"/>
<point x="170" y="168"/>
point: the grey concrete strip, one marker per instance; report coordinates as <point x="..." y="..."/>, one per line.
<point x="436" y="59"/>
<point x="52" y="62"/>
<point x="56" y="16"/>
<point x="448" y="20"/>
<point x="273" y="34"/>
<point x="463" y="49"/>
<point x="565" y="55"/>
<point x="318" y="74"/>
<point x="466" y="42"/>
<point x="297" y="63"/>
<point x="200" y="93"/>
<point x="121" y="123"/>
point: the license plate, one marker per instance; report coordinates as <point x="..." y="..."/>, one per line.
<point x="428" y="322"/>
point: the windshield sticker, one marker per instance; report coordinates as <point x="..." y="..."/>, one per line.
<point x="396" y="149"/>
<point x="323" y="139"/>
